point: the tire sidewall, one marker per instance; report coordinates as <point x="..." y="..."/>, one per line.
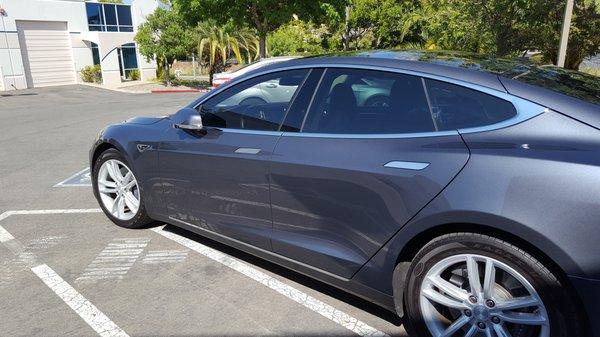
<point x="555" y="297"/>
<point x="140" y="219"/>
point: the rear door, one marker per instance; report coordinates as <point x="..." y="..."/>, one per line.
<point x="363" y="164"/>
<point x="217" y="179"/>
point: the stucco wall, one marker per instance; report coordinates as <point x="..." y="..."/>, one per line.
<point x="73" y="12"/>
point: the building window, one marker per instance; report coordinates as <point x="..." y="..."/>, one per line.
<point x="95" y="54"/>
<point x="127" y="60"/>
<point x="109" y="17"/>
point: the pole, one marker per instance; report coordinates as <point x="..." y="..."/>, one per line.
<point x="564" y="34"/>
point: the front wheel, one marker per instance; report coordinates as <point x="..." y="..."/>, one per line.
<point x="473" y="285"/>
<point x="117" y="191"/>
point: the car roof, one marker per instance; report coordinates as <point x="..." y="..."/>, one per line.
<point x="573" y="93"/>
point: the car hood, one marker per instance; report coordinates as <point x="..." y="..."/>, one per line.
<point x="144" y="120"/>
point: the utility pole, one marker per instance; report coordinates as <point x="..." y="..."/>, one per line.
<point x="564" y="34"/>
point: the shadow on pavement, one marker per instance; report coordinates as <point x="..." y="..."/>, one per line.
<point x="293" y="276"/>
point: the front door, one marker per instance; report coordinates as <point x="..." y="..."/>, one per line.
<point x="218" y="178"/>
<point x="369" y="156"/>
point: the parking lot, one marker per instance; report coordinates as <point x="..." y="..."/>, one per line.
<point x="65" y="269"/>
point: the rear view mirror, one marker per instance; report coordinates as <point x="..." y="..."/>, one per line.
<point x="194" y="122"/>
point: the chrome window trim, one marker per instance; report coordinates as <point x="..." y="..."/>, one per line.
<point x="372" y="136"/>
<point x="254" y="132"/>
<point x="525" y="109"/>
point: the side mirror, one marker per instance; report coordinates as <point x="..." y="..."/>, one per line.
<point x="194" y="122"/>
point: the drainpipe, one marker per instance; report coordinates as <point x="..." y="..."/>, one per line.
<point x="12" y="68"/>
<point x="564" y="34"/>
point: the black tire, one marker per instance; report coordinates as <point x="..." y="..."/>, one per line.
<point x="565" y="319"/>
<point x="141" y="218"/>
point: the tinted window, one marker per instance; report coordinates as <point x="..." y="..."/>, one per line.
<point x="110" y="15"/>
<point x="94" y="13"/>
<point x="257" y="104"/>
<point x="367" y="101"/>
<point x="455" y="107"/>
<point x="124" y="14"/>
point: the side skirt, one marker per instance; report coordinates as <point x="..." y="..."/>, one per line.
<point x="383" y="300"/>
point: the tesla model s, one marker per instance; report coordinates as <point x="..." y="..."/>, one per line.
<point x="459" y="191"/>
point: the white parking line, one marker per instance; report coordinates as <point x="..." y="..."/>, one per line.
<point x="349" y="322"/>
<point x="83" y="181"/>
<point x="114" y="261"/>
<point x="82" y="307"/>
<point x="320" y="307"/>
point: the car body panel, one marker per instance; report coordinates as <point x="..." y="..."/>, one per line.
<point x="218" y="180"/>
<point x="499" y="190"/>
<point x="335" y="203"/>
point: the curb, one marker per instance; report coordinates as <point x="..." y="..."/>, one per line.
<point x="172" y="91"/>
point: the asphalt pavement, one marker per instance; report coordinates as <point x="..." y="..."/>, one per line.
<point x="66" y="270"/>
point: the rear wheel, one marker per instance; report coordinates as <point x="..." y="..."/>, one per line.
<point x="468" y="284"/>
<point x="117" y="191"/>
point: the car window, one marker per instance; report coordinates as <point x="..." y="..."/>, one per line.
<point x="257" y="104"/>
<point x="368" y="101"/>
<point x="456" y="107"/>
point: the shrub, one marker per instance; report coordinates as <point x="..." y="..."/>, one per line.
<point x="134" y="75"/>
<point x="91" y="74"/>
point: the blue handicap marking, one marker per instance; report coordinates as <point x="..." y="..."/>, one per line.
<point x="81" y="178"/>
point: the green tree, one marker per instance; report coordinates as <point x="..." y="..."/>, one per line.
<point x="389" y="21"/>
<point x="297" y="38"/>
<point x="216" y="43"/>
<point x="164" y="36"/>
<point x="263" y="15"/>
<point x="509" y="27"/>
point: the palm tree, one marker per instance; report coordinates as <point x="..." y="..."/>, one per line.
<point x="217" y="44"/>
<point x="249" y="43"/>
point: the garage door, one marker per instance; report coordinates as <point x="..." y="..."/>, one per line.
<point x="47" y="54"/>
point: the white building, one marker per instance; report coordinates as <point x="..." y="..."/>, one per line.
<point x="48" y="42"/>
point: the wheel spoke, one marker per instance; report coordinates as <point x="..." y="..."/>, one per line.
<point x="131" y="202"/>
<point x="471" y="331"/>
<point x="449" y="289"/>
<point x="454" y="327"/>
<point x="518" y="303"/>
<point x="444" y="300"/>
<point x="501" y="331"/>
<point x="106" y="190"/>
<point x="523" y="318"/>
<point x="106" y="183"/>
<point x="115" y="205"/>
<point x="121" y="207"/>
<point x="128" y="178"/>
<point x="489" y="279"/>
<point x="473" y="274"/>
<point x="114" y="171"/>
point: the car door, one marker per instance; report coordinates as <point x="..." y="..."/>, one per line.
<point x="217" y="178"/>
<point x="357" y="172"/>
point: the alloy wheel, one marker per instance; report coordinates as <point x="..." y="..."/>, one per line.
<point x="118" y="189"/>
<point x="473" y="295"/>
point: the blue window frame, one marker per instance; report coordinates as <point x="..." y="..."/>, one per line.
<point x="109" y="17"/>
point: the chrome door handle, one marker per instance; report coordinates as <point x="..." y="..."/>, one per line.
<point x="247" y="150"/>
<point x="407" y="165"/>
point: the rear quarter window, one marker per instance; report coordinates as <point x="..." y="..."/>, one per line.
<point x="455" y="107"/>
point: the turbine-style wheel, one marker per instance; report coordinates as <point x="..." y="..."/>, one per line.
<point x="118" y="191"/>
<point x="473" y="285"/>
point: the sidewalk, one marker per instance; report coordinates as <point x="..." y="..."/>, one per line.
<point x="143" y="87"/>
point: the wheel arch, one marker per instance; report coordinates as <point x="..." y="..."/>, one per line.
<point x="414" y="244"/>
<point x="100" y="148"/>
